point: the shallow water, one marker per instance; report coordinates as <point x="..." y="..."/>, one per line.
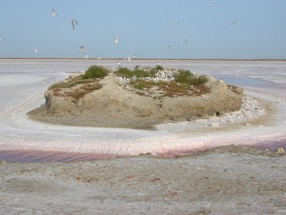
<point x="23" y="83"/>
<point x="243" y="81"/>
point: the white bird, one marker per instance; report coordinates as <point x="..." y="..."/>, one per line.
<point x="279" y="100"/>
<point x="175" y="23"/>
<point x="168" y="46"/>
<point x="129" y="58"/>
<point x="82" y="49"/>
<point x="53" y="13"/>
<point x="115" y="40"/>
<point x="36" y="51"/>
<point x="1" y="38"/>
<point x="74" y="22"/>
<point x="211" y="4"/>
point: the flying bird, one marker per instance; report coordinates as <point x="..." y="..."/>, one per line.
<point x="82" y="49"/>
<point x="211" y="4"/>
<point x="74" y="22"/>
<point x="115" y="40"/>
<point x="36" y="51"/>
<point x="234" y="23"/>
<point x="168" y="46"/>
<point x="185" y="41"/>
<point x="53" y="13"/>
<point x="175" y="23"/>
<point x="1" y="38"/>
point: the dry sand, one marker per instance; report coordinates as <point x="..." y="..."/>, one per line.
<point x="119" y="106"/>
<point x="228" y="180"/>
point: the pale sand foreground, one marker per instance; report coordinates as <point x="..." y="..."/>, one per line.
<point x="225" y="181"/>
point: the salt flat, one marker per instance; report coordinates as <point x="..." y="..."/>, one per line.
<point x="23" y="83"/>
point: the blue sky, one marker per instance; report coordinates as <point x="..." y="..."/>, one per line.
<point x="144" y="27"/>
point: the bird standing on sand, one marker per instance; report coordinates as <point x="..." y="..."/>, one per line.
<point x="74" y="22"/>
<point x="53" y="13"/>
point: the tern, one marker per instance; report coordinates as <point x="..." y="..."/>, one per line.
<point x="82" y="49"/>
<point x="175" y="23"/>
<point x="53" y="13"/>
<point x="36" y="51"/>
<point x="115" y="40"/>
<point x="211" y="4"/>
<point x="185" y="41"/>
<point x="74" y="22"/>
<point x="168" y="46"/>
<point x="234" y="23"/>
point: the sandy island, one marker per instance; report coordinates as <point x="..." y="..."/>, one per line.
<point x="113" y="102"/>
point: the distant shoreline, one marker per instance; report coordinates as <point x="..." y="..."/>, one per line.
<point x="150" y="59"/>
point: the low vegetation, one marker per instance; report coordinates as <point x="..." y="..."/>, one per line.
<point x="95" y="72"/>
<point x="183" y="82"/>
<point x="156" y="79"/>
<point x="187" y="77"/>
<point x="89" y="76"/>
<point x="76" y="87"/>
<point x="137" y="72"/>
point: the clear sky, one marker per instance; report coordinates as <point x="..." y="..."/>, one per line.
<point x="230" y="29"/>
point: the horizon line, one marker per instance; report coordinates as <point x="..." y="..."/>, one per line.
<point x="174" y="59"/>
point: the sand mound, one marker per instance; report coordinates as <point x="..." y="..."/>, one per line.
<point x="109" y="103"/>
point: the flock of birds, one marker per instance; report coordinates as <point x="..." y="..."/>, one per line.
<point x="83" y="50"/>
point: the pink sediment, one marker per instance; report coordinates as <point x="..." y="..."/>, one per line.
<point x="27" y="156"/>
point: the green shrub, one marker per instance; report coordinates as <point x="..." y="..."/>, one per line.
<point x="124" y="72"/>
<point x="136" y="72"/>
<point x="187" y="77"/>
<point x="95" y="72"/>
<point x="142" y="84"/>
<point x="140" y="73"/>
<point x="159" y="68"/>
